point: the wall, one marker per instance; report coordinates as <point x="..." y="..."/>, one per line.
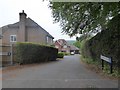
<point x="35" y="35"/>
<point x="0" y="34"/>
<point x="50" y="40"/>
<point x="6" y="34"/>
<point x="57" y="46"/>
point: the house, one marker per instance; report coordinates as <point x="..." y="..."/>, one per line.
<point x="74" y="49"/>
<point x="63" y="46"/>
<point x="25" y="30"/>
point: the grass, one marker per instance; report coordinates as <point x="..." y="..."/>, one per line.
<point x="89" y="60"/>
<point x="97" y="67"/>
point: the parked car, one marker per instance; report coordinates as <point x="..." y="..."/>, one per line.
<point x="72" y="53"/>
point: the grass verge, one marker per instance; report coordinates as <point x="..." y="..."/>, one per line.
<point x="96" y="67"/>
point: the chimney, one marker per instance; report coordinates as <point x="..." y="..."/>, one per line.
<point x="22" y="27"/>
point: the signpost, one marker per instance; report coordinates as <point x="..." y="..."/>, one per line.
<point x="107" y="59"/>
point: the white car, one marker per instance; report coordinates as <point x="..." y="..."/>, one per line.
<point x="72" y="53"/>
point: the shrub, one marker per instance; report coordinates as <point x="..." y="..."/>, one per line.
<point x="60" y="55"/>
<point x="34" y="53"/>
<point x="107" y="43"/>
<point x="65" y="53"/>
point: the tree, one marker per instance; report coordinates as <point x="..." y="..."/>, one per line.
<point x="83" y="17"/>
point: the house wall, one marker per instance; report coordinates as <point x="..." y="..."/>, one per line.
<point x="26" y="30"/>
<point x="6" y="35"/>
<point x="35" y="35"/>
<point x="49" y="41"/>
<point x="1" y="55"/>
<point x="67" y="49"/>
<point x="58" y="46"/>
<point x="62" y="48"/>
<point x="0" y="34"/>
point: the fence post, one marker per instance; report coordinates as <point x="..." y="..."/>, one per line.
<point x="111" y="66"/>
<point x="102" y="64"/>
<point x="11" y="54"/>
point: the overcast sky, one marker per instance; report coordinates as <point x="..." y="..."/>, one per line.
<point x="36" y="10"/>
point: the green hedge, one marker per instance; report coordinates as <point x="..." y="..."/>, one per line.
<point x="66" y="54"/>
<point x="34" y="53"/>
<point x="106" y="43"/>
<point x="60" y="55"/>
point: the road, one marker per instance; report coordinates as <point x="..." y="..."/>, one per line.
<point x="66" y="73"/>
<point x="0" y="78"/>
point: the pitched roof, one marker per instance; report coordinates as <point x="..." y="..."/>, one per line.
<point x="62" y="42"/>
<point x="29" y="23"/>
<point x="14" y="25"/>
<point x="72" y="47"/>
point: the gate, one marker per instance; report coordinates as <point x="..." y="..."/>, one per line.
<point x="6" y="55"/>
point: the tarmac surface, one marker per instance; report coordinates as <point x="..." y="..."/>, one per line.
<point x="65" y="73"/>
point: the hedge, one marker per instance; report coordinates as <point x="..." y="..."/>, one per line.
<point x="107" y="43"/>
<point x="34" y="53"/>
<point x="60" y="55"/>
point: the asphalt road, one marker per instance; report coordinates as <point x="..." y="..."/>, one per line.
<point x="66" y="73"/>
<point x="0" y="78"/>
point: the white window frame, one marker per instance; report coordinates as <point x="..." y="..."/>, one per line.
<point x="13" y="38"/>
<point x="47" y="39"/>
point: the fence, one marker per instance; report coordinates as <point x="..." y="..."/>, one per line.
<point x="6" y="54"/>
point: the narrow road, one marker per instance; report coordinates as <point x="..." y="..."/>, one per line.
<point x="66" y="73"/>
<point x="1" y="78"/>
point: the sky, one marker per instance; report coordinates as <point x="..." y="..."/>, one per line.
<point x="37" y="10"/>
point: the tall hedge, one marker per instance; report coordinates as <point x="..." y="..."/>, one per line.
<point x="107" y="43"/>
<point x="34" y="53"/>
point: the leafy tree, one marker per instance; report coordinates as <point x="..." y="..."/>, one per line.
<point x="83" y="37"/>
<point x="77" y="44"/>
<point x="83" y="17"/>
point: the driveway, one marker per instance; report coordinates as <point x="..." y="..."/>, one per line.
<point x="66" y="73"/>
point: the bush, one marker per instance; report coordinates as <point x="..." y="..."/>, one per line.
<point x="34" y="53"/>
<point x="107" y="43"/>
<point x="60" y="55"/>
<point x="65" y="53"/>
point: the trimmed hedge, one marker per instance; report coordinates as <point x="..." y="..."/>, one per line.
<point x="34" y="53"/>
<point x="60" y="55"/>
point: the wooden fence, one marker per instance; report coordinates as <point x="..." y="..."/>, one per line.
<point x="7" y="55"/>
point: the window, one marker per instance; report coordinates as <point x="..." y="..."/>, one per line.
<point x="13" y="38"/>
<point x="51" y="41"/>
<point x="65" y="46"/>
<point x="47" y="39"/>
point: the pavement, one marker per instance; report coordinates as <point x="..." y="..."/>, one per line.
<point x="65" y="73"/>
